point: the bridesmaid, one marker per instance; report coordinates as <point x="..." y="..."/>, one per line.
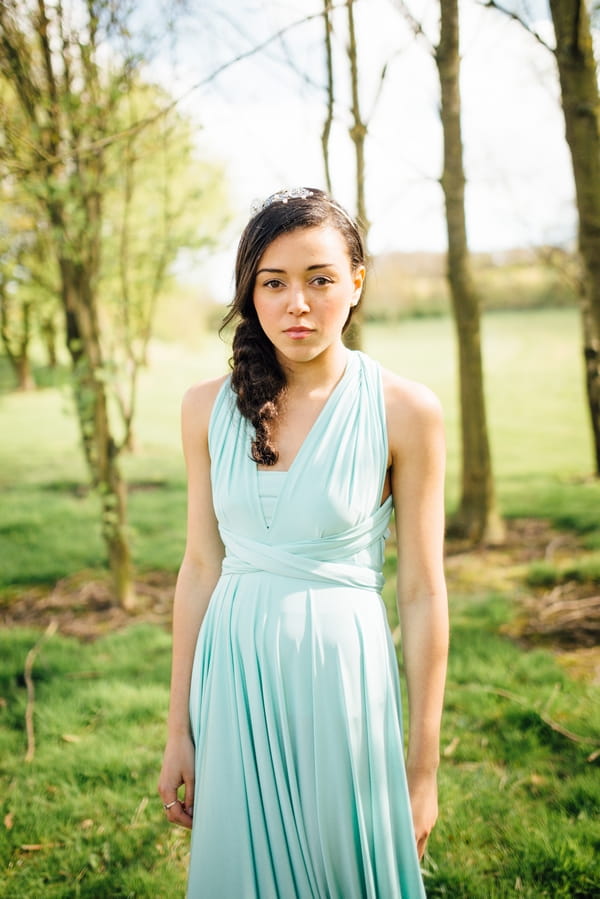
<point x="294" y="462"/>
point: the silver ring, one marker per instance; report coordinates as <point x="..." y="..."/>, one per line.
<point x="169" y="805"/>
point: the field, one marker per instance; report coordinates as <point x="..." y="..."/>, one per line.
<point x="519" y="785"/>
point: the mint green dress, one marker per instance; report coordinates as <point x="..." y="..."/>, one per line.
<point x="295" y="703"/>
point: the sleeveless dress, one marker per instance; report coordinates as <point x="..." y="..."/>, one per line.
<point x="294" y="703"/>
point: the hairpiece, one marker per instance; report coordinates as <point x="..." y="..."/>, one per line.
<point x="282" y="196"/>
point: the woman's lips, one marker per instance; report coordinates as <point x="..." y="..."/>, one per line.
<point x="298" y="333"/>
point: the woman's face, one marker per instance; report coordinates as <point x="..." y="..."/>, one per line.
<point x="304" y="288"/>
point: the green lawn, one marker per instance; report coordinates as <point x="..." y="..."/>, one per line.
<point x="539" y="431"/>
<point x="519" y="798"/>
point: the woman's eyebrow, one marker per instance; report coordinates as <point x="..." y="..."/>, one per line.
<point x="281" y="271"/>
<point x="273" y="271"/>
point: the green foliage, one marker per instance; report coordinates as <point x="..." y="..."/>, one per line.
<point x="163" y="199"/>
<point x="28" y="278"/>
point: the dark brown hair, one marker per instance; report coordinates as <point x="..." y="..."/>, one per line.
<point x="257" y="377"/>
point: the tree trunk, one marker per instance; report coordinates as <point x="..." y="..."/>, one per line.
<point x="358" y="133"/>
<point x="326" y="132"/>
<point x="581" y="108"/>
<point x="591" y="359"/>
<point x="99" y="446"/>
<point x="25" y="379"/>
<point x="17" y="349"/>
<point x="48" y="329"/>
<point x="477" y="517"/>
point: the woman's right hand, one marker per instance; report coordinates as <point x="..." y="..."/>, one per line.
<point x="178" y="770"/>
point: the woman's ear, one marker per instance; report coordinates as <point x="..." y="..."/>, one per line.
<point x="358" y="278"/>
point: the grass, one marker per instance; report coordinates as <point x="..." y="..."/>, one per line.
<point x="519" y="799"/>
<point x="548" y="574"/>
<point x="540" y="443"/>
<point x="83" y="818"/>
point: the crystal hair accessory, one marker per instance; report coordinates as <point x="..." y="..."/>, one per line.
<point x="282" y="196"/>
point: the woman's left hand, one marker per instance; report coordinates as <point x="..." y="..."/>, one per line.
<point x="422" y="788"/>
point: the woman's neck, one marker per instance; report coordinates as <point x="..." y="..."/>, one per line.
<point x="317" y="376"/>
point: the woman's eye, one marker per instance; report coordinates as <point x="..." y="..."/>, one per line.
<point x="274" y="282"/>
<point x="321" y="281"/>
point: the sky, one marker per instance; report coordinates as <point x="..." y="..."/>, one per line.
<point x="262" y="118"/>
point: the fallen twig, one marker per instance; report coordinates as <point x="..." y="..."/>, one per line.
<point x="554" y="725"/>
<point x="29" y="661"/>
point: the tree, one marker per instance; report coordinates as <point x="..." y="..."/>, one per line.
<point x="70" y="81"/>
<point x="326" y="132"/>
<point x="574" y="54"/>
<point x="357" y="130"/>
<point x="581" y="107"/>
<point x="16" y="237"/>
<point x="358" y="135"/>
<point x="28" y="283"/>
<point x="162" y="199"/>
<point x="477" y="517"/>
<point x="68" y="101"/>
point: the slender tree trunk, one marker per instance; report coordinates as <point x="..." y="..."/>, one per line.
<point x="326" y="132"/>
<point x="48" y="329"/>
<point x="17" y="351"/>
<point x="477" y="517"/>
<point x="591" y="358"/>
<point x="581" y="107"/>
<point x="100" y="448"/>
<point x="358" y="133"/>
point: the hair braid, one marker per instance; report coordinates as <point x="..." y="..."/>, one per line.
<point x="259" y="382"/>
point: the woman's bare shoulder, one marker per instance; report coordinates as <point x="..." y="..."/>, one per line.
<point x="413" y="410"/>
<point x="197" y="404"/>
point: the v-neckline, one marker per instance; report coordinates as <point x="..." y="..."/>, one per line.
<point x="302" y="448"/>
<point x="313" y="426"/>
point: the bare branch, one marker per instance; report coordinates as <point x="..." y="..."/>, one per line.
<point x="379" y="91"/>
<point x="524" y="703"/>
<point x="493" y="4"/>
<point x="413" y="23"/>
<point x="41" y="27"/>
<point x="28" y="675"/>
<point x="100" y="144"/>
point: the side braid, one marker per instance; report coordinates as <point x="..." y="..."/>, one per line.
<point x="259" y="383"/>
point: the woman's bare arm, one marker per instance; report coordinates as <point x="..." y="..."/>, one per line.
<point x="417" y="451"/>
<point x="198" y="575"/>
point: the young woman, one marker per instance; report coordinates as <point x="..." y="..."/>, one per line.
<point x="284" y="726"/>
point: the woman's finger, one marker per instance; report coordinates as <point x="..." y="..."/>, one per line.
<point x="188" y="795"/>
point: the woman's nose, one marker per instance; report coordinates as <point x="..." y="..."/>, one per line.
<point x="297" y="301"/>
